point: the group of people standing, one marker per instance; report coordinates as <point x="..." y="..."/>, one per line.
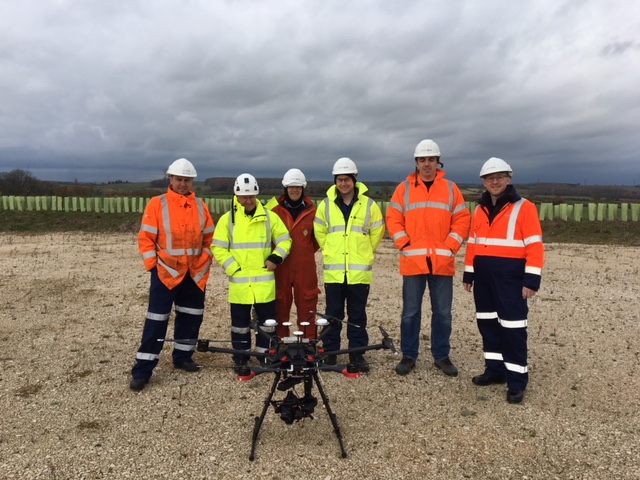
<point x="268" y="253"/>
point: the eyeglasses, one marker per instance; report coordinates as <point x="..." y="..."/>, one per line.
<point x="344" y="180"/>
<point x="493" y="178"/>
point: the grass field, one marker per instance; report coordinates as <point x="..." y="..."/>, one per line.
<point x="556" y="231"/>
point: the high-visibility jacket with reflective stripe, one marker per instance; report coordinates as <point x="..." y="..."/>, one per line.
<point x="349" y="248"/>
<point x="242" y="244"/>
<point x="175" y="236"/>
<point x="514" y="233"/>
<point x="428" y="225"/>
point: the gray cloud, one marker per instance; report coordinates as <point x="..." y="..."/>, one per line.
<point x="100" y="91"/>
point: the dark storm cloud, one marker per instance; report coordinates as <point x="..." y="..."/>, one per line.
<point x="101" y="91"/>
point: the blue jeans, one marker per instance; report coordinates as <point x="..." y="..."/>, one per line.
<point x="441" y="294"/>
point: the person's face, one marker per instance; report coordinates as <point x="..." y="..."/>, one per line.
<point x="181" y="185"/>
<point x="496" y="183"/>
<point x="294" y="193"/>
<point x="345" y="184"/>
<point x="427" y="167"/>
<point x="248" y="202"/>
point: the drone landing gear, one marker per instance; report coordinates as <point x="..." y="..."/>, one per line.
<point x="294" y="408"/>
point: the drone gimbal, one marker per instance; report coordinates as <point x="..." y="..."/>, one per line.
<point x="297" y="360"/>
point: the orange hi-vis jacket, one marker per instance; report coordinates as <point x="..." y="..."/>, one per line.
<point x="175" y="236"/>
<point x="428" y="225"/>
<point x="514" y="233"/>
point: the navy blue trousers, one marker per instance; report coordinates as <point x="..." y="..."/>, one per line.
<point x="355" y="297"/>
<point x="189" y="309"/>
<point x="501" y="313"/>
<point x="241" y="327"/>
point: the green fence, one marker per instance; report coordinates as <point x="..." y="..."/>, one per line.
<point x="548" y="211"/>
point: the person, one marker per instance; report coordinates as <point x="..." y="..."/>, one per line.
<point x="503" y="267"/>
<point x="175" y="244"/>
<point x="349" y="227"/>
<point x="296" y="277"/>
<point x="249" y="243"/>
<point x="428" y="220"/>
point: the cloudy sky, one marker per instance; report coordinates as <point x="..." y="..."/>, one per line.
<point x="116" y="90"/>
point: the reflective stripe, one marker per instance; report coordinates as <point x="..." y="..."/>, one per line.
<point x="184" y="347"/>
<point x="533" y="239"/>
<point x="499" y="242"/>
<point x="512" y="323"/>
<point x="281" y="252"/>
<point x="282" y="238"/>
<point x="493" y="356"/>
<point x="251" y="245"/>
<point x="456" y="237"/>
<point x="240" y="330"/>
<point x="151" y="254"/>
<point x="178" y="252"/>
<point x="419" y="252"/>
<point x="147" y="356"/>
<point x="337" y="228"/>
<point x="487" y="315"/>
<point x="190" y="311"/>
<point x="338" y="266"/>
<point x="534" y="270"/>
<point x="395" y="205"/>
<point x="469" y="268"/>
<point x="172" y="271"/>
<point x="360" y="267"/>
<point x="512" y="367"/>
<point x="444" y="253"/>
<point x="160" y="317"/>
<point x="319" y="221"/>
<point x="149" y="228"/>
<point x="268" y="329"/>
<point x="201" y="275"/>
<point x="228" y="263"/>
<point x="220" y="243"/>
<point x="261" y="349"/>
<point x="258" y="279"/>
<point x="399" y="235"/>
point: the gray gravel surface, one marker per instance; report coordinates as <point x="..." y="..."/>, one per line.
<point x="72" y="308"/>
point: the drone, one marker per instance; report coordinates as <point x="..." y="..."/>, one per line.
<point x="297" y="360"/>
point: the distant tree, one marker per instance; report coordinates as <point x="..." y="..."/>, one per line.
<point x="159" y="183"/>
<point x="20" y="182"/>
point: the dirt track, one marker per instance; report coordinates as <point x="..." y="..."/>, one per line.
<point x="71" y="314"/>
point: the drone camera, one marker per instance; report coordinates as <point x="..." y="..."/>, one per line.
<point x="293" y="408"/>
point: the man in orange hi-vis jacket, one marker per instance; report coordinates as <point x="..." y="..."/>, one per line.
<point x="428" y="220"/>
<point x="175" y="244"/>
<point x="503" y="267"/>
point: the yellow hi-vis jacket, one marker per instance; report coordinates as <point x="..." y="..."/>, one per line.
<point x="242" y="244"/>
<point x="348" y="248"/>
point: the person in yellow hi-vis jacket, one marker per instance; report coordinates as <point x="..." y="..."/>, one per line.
<point x="349" y="227"/>
<point x="249" y="243"/>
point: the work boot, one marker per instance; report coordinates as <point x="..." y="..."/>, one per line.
<point x="188" y="366"/>
<point x="331" y="360"/>
<point x="447" y="367"/>
<point x="405" y="366"/>
<point x="486" y="379"/>
<point x="515" y="396"/>
<point x="138" y="383"/>
<point x="242" y="368"/>
<point x="358" y="360"/>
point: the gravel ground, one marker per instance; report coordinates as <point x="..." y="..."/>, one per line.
<point x="71" y="314"/>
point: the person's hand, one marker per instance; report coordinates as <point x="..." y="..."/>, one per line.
<point x="527" y="293"/>
<point x="270" y="265"/>
<point x="468" y="286"/>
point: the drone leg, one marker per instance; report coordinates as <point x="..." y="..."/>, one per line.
<point x="260" y="419"/>
<point x="332" y="416"/>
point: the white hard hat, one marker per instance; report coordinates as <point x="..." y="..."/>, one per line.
<point x="246" y="184"/>
<point x="427" y="148"/>
<point x="495" y="165"/>
<point x="344" y="166"/>
<point x="182" y="168"/>
<point x="294" y="178"/>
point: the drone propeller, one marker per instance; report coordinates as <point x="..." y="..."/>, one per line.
<point x="332" y="319"/>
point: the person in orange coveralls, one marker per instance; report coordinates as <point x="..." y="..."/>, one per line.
<point x="296" y="277"/>
<point x="175" y="244"/>
<point x="503" y="267"/>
